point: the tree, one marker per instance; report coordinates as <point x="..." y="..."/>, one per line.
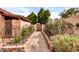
<point x="69" y="12"/>
<point x="41" y="17"/>
<point x="64" y="26"/>
<point x="49" y="30"/>
<point x="32" y="17"/>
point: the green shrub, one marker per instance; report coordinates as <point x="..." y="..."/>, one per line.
<point x="26" y="31"/>
<point x="65" y="43"/>
<point x="52" y="28"/>
<point x="16" y="39"/>
<point x="57" y="27"/>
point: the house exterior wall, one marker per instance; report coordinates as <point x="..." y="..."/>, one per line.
<point x="2" y="24"/>
<point x="24" y="23"/>
<point x="15" y="27"/>
<point x="18" y="24"/>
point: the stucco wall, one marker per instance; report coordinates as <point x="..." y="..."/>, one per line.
<point x="16" y="27"/>
<point x="24" y="23"/>
<point x="18" y="24"/>
<point x="2" y="23"/>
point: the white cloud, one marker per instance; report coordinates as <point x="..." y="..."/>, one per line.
<point x="54" y="15"/>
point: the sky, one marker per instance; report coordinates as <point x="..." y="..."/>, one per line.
<point x="55" y="11"/>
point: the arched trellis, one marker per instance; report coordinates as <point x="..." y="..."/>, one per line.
<point x="7" y="36"/>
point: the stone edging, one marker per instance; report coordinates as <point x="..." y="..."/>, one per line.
<point x="12" y="48"/>
<point x="48" y="41"/>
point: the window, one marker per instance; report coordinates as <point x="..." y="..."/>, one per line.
<point x="8" y="28"/>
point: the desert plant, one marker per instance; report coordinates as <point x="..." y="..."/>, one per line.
<point x="52" y="28"/>
<point x="57" y="27"/>
<point x="65" y="43"/>
<point x="49" y="28"/>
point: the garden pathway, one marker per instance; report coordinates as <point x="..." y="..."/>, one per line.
<point x="36" y="43"/>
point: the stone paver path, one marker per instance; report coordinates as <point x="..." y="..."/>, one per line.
<point x="36" y="43"/>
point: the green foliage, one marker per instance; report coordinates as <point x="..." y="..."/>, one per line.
<point x="49" y="28"/>
<point x="65" y="43"/>
<point x="41" y="17"/>
<point x="16" y="39"/>
<point x="57" y="27"/>
<point x="33" y="18"/>
<point x="69" y="12"/>
<point x="26" y="31"/>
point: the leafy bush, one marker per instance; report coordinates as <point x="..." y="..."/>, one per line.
<point x="49" y="29"/>
<point x="65" y="43"/>
<point x="52" y="28"/>
<point x="57" y="27"/>
<point x="26" y="31"/>
<point x="16" y="39"/>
